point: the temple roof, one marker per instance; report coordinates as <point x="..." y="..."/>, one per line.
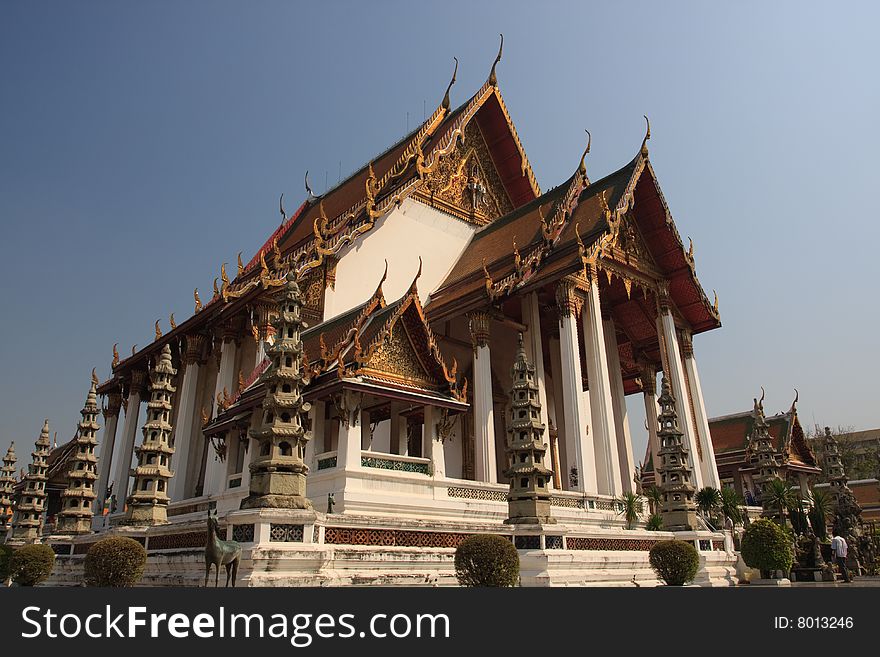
<point x="730" y="434"/>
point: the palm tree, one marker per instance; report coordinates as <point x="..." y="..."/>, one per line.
<point x="780" y="496"/>
<point x="654" y="523"/>
<point x="655" y="498"/>
<point x="822" y="505"/>
<point x="732" y="505"/>
<point x="708" y="501"/>
<point x="629" y="505"/>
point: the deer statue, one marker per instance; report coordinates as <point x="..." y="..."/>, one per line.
<point x="220" y="553"/>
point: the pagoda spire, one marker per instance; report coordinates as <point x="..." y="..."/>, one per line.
<point x="32" y="497"/>
<point x="78" y="498"/>
<point x="148" y="502"/>
<point x="278" y="473"/>
<point x="831" y="461"/>
<point x="762" y="454"/>
<point x="7" y="487"/>
<point x="677" y="508"/>
<point x="528" y="501"/>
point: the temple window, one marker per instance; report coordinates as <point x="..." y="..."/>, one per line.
<point x="161" y="486"/>
<point x="288" y="362"/>
<point x="284" y="448"/>
<point x="285" y="387"/>
<point x="523" y="483"/>
<point x="285" y="417"/>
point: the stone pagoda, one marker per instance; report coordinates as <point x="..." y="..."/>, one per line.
<point x="79" y="496"/>
<point x="763" y="456"/>
<point x="148" y="502"/>
<point x="832" y="463"/>
<point x="847" y="511"/>
<point x="278" y="473"/>
<point x="528" y="501"/>
<point x="678" y="509"/>
<point x="32" y="497"/>
<point x="7" y="488"/>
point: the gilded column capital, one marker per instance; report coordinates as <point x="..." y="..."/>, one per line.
<point x="195" y="348"/>
<point x="138" y="382"/>
<point x="330" y="263"/>
<point x="568" y="298"/>
<point x="685" y="340"/>
<point x="478" y="325"/>
<point x="114" y="403"/>
<point x="232" y="330"/>
<point x="649" y="379"/>
<point x="664" y="302"/>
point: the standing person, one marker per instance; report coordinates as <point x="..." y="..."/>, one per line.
<point x="838" y="549"/>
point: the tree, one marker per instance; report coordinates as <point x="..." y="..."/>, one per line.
<point x="708" y="501"/>
<point x="675" y="562"/>
<point x="732" y="505"/>
<point x="629" y="505"/>
<point x="778" y="495"/>
<point x="767" y="547"/>
<point x="821" y="509"/>
<point x="655" y="498"/>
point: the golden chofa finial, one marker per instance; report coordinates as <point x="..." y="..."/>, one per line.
<point x="172" y="322"/>
<point x="582" y="167"/>
<point x="690" y="253"/>
<point x="603" y="203"/>
<point x="223" y="277"/>
<point x="158" y="330"/>
<point x="216" y="289"/>
<point x="197" y="299"/>
<point x="647" y="135"/>
<point x="133" y="349"/>
<point x="493" y="78"/>
<point x="715" y="305"/>
<point x="264" y="269"/>
<point x="240" y="265"/>
<point x="445" y="103"/>
<point x="308" y="187"/>
<point x="95" y="376"/>
<point x="115" y="354"/>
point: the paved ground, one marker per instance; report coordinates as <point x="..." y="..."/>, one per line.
<point x="858" y="581"/>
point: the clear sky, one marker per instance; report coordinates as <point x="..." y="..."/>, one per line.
<point x="144" y="144"/>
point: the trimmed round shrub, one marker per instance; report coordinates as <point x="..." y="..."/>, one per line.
<point x="31" y="564"/>
<point x="115" y="561"/>
<point x="675" y="562"/>
<point x="487" y="560"/>
<point x="5" y="556"/>
<point x="766" y="547"/>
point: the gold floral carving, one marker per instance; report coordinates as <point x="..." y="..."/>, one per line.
<point x="396" y="359"/>
<point x="466" y="183"/>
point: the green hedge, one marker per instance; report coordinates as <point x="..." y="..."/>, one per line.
<point x="766" y="547"/>
<point x="487" y="560"/>
<point x="115" y="561"/>
<point x="675" y="562"/>
<point x="31" y="564"/>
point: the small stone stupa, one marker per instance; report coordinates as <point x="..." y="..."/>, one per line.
<point x="78" y="498"/>
<point x="528" y="501"/>
<point x="677" y="509"/>
<point x="7" y="487"/>
<point x="847" y="511"/>
<point x="763" y="456"/>
<point x="32" y="497"/>
<point x="278" y="472"/>
<point x="148" y="502"/>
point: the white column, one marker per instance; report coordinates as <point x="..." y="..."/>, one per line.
<point x="253" y="447"/>
<point x="397" y="443"/>
<point x="675" y="372"/>
<point x="318" y="413"/>
<point x="433" y="446"/>
<point x="129" y="433"/>
<point x="185" y="427"/>
<point x="578" y="441"/>
<point x="707" y="462"/>
<point x="535" y="352"/>
<point x="559" y="411"/>
<point x="348" y="452"/>
<point x="215" y="475"/>
<point x="649" y="393"/>
<point x="484" y="421"/>
<point x="618" y="400"/>
<point x="601" y="405"/>
<point x="105" y="454"/>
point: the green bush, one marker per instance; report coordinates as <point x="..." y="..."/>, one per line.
<point x="675" y="562"/>
<point x="654" y="523"/>
<point x="31" y="564"/>
<point x="766" y="547"/>
<point x="486" y="560"/>
<point x="5" y="556"/>
<point x="115" y="561"/>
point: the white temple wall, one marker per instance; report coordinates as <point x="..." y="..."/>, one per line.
<point x="401" y="236"/>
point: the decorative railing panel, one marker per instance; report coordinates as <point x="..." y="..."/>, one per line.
<point x="243" y="533"/>
<point x="629" y="544"/>
<point x="327" y="462"/>
<point x="398" y="465"/>
<point x="177" y="541"/>
<point x="477" y="493"/>
<point x="286" y="533"/>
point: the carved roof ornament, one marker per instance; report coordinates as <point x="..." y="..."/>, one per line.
<point x="445" y="103"/>
<point x="158" y="330"/>
<point x="197" y="299"/>
<point x="488" y="280"/>
<point x="216" y="290"/>
<point x="372" y="189"/>
<point x="647" y="136"/>
<point x="311" y="195"/>
<point x="690" y="252"/>
<point x="133" y="349"/>
<point x="582" y="167"/>
<point x="240" y="270"/>
<point x="115" y="355"/>
<point x="276" y="255"/>
<point x="172" y="322"/>
<point x="493" y="77"/>
<point x="95" y="376"/>
<point x="715" y="305"/>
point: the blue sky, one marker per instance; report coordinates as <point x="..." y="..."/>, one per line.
<point x="144" y="144"/>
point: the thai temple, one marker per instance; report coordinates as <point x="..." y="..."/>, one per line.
<point x="436" y="347"/>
